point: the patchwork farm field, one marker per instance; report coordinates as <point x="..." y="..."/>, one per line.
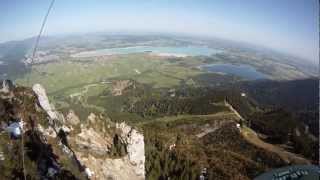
<point x="72" y="74"/>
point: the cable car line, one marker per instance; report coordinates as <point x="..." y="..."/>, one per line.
<point x="28" y="79"/>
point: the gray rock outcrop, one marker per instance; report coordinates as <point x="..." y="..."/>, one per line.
<point x="135" y="147"/>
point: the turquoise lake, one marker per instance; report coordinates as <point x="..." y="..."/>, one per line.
<point x="169" y="50"/>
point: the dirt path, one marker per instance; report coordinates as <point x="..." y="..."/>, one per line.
<point x="207" y="131"/>
<point x="211" y="129"/>
<point x="233" y="110"/>
<point x="253" y="138"/>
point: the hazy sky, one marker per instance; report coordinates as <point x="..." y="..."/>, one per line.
<point x="287" y="25"/>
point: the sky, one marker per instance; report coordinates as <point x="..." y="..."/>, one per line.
<point x="290" y="26"/>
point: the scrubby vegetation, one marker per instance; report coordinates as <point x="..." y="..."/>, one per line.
<point x="224" y="153"/>
<point x="282" y="128"/>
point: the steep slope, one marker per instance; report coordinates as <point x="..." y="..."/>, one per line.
<point x="52" y="146"/>
<point x="35" y="153"/>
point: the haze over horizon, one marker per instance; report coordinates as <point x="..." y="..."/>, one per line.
<point x="290" y="26"/>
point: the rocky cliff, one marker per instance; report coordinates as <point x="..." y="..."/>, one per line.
<point x="57" y="145"/>
<point x="37" y="153"/>
<point x="135" y="147"/>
